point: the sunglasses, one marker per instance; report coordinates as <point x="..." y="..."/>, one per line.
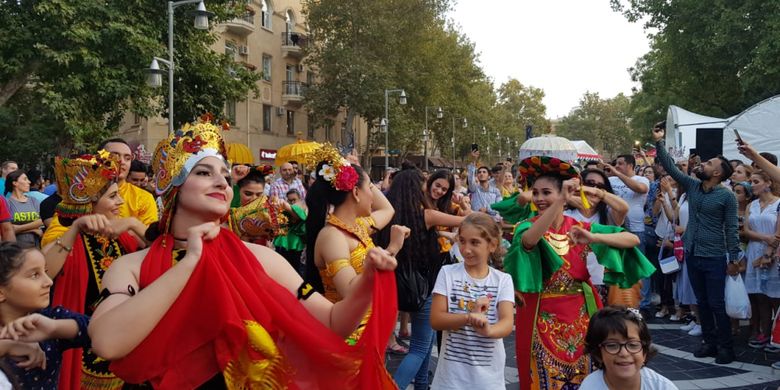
<point x="591" y="183"/>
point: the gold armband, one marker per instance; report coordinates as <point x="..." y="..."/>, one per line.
<point x="335" y="266"/>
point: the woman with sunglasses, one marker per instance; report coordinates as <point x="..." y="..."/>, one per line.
<point x="619" y="344"/>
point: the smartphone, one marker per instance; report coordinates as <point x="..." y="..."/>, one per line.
<point x="739" y="139"/>
<point x="474" y="147"/>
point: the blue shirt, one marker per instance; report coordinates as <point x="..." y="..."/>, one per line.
<point x="47" y="379"/>
<point x="482" y="198"/>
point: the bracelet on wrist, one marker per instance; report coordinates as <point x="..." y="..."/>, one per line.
<point x="59" y="243"/>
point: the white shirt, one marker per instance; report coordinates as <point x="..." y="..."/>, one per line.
<point x="650" y="380"/>
<point x="635" y="220"/>
<point x="468" y="360"/>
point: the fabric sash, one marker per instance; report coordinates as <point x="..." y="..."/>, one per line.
<point x="230" y="303"/>
<point x="70" y="291"/>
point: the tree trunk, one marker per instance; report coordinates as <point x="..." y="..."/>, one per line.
<point x="9" y="89"/>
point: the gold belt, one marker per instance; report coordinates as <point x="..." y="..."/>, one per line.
<point x="573" y="290"/>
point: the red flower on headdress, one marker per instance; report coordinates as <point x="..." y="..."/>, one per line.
<point x="194" y="145"/>
<point x="109" y="174"/>
<point x="346" y="179"/>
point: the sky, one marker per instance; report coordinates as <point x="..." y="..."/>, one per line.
<point x="565" y="47"/>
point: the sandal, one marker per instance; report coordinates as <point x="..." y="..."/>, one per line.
<point x="404" y="335"/>
<point x="397" y="349"/>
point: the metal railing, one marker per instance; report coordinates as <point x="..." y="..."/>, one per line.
<point x="293" y="39"/>
<point x="293" y="88"/>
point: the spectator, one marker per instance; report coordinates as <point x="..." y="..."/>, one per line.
<point x="710" y="240"/>
<point x="5" y="168"/>
<point x="25" y="210"/>
<point x="292" y="244"/>
<point x="619" y="343"/>
<point x="137" y="175"/>
<point x="741" y="173"/>
<point x="36" y="185"/>
<point x="483" y="194"/>
<point x="769" y="157"/>
<point x="507" y="184"/>
<point x="251" y="186"/>
<point x="6" y="228"/>
<point x="286" y="182"/>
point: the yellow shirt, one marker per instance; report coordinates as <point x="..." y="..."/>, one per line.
<point x="138" y="203"/>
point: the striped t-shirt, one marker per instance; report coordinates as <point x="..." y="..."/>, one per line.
<point x="467" y="359"/>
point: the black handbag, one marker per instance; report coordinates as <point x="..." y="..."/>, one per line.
<point x="412" y="288"/>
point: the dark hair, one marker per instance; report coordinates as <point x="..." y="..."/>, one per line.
<point x="254" y="176"/>
<point x="11" y="259"/>
<point x="629" y="159"/>
<point x="10" y="179"/>
<point x="110" y="140"/>
<point x="422" y="248"/>
<point x="613" y="320"/>
<point x="320" y="197"/>
<point x="661" y="125"/>
<point x="736" y="161"/>
<point x="484" y="167"/>
<point x="556" y="179"/>
<point x="725" y="167"/>
<point x="35" y="176"/>
<point x="770" y="157"/>
<point x="293" y="191"/>
<point x="444" y="204"/>
<point x="497" y="169"/>
<point x="138" y="166"/>
<point x="591" y="163"/>
<point x="602" y="208"/>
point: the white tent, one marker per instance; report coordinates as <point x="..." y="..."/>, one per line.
<point x="682" y="126"/>
<point x="759" y="126"/>
<point x="585" y="151"/>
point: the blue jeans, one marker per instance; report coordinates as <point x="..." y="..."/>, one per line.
<point x="648" y="239"/>
<point x="708" y="279"/>
<point x="415" y="364"/>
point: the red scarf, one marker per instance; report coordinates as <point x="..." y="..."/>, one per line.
<point x="70" y="291"/>
<point x="204" y="332"/>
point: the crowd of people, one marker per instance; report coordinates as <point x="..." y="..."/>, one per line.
<point x="283" y="278"/>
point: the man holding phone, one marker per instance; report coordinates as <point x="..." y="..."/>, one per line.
<point x="711" y="242"/>
<point x="482" y="192"/>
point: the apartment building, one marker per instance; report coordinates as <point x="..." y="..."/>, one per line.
<point x="270" y="39"/>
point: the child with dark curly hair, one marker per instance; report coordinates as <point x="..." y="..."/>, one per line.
<point x="618" y="342"/>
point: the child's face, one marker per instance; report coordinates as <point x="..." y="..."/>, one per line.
<point x="293" y="199"/>
<point x="474" y="248"/>
<point x="623" y="365"/>
<point x="28" y="289"/>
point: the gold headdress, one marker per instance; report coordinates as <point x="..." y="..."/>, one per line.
<point x="260" y="218"/>
<point x="176" y="155"/>
<point x="336" y="169"/>
<point x="80" y="180"/>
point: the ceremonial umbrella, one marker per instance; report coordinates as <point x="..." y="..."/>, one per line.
<point x="296" y="151"/>
<point x="549" y="145"/>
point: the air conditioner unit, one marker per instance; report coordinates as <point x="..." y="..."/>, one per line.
<point x="299" y="68"/>
<point x="243" y="50"/>
<point x="279" y="111"/>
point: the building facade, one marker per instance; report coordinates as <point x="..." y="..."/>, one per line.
<point x="269" y="39"/>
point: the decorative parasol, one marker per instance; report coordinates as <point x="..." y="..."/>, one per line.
<point x="240" y="154"/>
<point x="549" y="145"/>
<point x="585" y="151"/>
<point x="296" y="151"/>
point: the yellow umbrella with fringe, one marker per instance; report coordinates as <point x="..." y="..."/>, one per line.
<point x="296" y="151"/>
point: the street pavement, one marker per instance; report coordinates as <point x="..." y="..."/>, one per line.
<point x="750" y="371"/>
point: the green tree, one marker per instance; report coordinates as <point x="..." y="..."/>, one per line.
<point x="605" y="124"/>
<point x="716" y="58"/>
<point x="85" y="61"/>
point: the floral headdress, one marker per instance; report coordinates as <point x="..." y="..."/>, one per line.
<point x="80" y="180"/>
<point x="533" y="167"/>
<point x="265" y="169"/>
<point x="176" y="155"/>
<point x="260" y="218"/>
<point x="335" y="169"/>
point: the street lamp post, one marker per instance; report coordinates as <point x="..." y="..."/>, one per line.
<point x="427" y="133"/>
<point x="465" y="126"/>
<point x="385" y="124"/>
<point x="155" y="74"/>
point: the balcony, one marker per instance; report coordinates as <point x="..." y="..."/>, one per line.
<point x="292" y="93"/>
<point x="242" y="26"/>
<point x="293" y="44"/>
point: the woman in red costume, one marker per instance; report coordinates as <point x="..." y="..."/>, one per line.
<point x="77" y="260"/>
<point x="547" y="262"/>
<point x="202" y="309"/>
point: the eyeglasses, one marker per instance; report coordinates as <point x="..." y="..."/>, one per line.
<point x="614" y="348"/>
<point x="591" y="183"/>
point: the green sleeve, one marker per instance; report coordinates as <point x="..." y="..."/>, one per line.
<point x="623" y="267"/>
<point x="236" y="202"/>
<point x="299" y="211"/>
<point x="510" y="211"/>
<point x="530" y="268"/>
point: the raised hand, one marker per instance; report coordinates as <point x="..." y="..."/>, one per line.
<point x="570" y="187"/>
<point x="31" y="328"/>
<point x="238" y="172"/>
<point x="747" y="150"/>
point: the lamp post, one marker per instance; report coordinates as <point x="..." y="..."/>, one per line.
<point x="154" y="78"/>
<point x="427" y="133"/>
<point x="385" y="124"/>
<point x="465" y="126"/>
